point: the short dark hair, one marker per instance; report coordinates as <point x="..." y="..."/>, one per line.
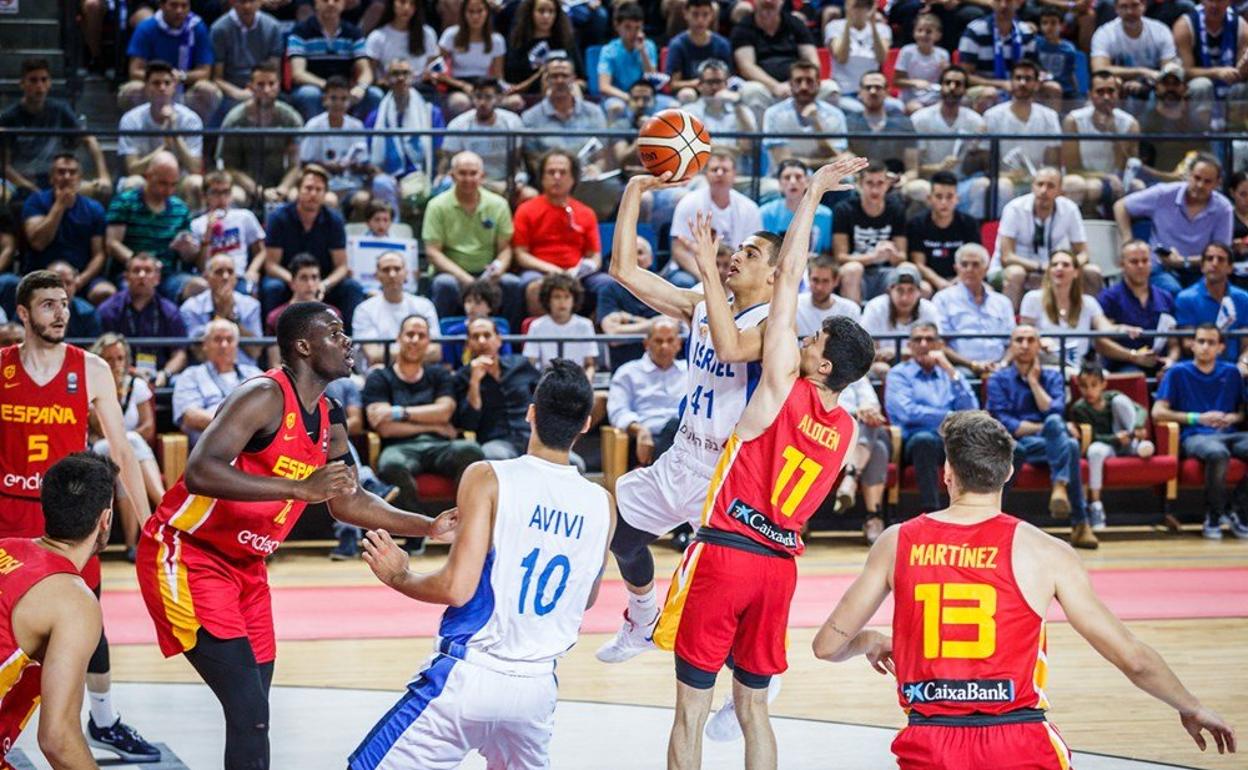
<point x="1209" y="160"/>
<point x="875" y="166"/>
<point x="377" y="206"/>
<point x="954" y="68"/>
<point x="315" y="170"/>
<point x="699" y="3"/>
<point x="789" y="163"/>
<point x="1092" y="369"/>
<point x="1025" y="63"/>
<point x="644" y="84"/>
<point x="774" y="241"/>
<point x="33" y="282"/>
<point x="1223" y="247"/>
<point x="947" y="178"/>
<point x="801" y="65"/>
<point x="629" y="11"/>
<point x="850" y="349"/>
<point x="1209" y="327"/>
<point x="143" y="256"/>
<point x="34" y="64"/>
<point x="416" y="317"/>
<point x="295" y="323"/>
<point x="76" y="490"/>
<point x="486" y="291"/>
<point x="1103" y="74"/>
<point x="824" y="262"/>
<point x="489" y="83"/>
<point x="266" y="67"/>
<point x="157" y="67"/>
<point x="979" y="450"/>
<point x="1050" y="11"/>
<point x="336" y="83"/>
<point x="556" y="281"/>
<point x="561" y="403"/>
<point x="302" y="261"/>
<point x="559" y="152"/>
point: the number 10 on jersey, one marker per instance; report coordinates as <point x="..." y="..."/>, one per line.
<point x="558" y="563"/>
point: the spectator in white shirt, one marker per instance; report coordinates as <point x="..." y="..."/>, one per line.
<point x="1096" y="166"/>
<point x="381" y="317"/>
<point x="734" y="217"/>
<point x="1033" y="227"/>
<point x="720" y="108"/>
<point x="645" y="395"/>
<point x="1023" y="115"/>
<point x="343" y="155"/>
<point x="162" y="113"/>
<point x="224" y="229"/>
<point x="821" y="301"/>
<point x="859" y="44"/>
<point x="805" y="113"/>
<point x="560" y="296"/>
<point x="483" y="120"/>
<point x="1133" y="48"/>
<point x="895" y="312"/>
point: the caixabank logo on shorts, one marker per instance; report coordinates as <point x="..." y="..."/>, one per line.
<point x="958" y="691"/>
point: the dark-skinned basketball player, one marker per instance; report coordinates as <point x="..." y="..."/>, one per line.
<point x="48" y="389"/>
<point x="276" y="444"/>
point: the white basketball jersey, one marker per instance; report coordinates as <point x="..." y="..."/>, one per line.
<point x="717" y="392"/>
<point x="550" y="538"/>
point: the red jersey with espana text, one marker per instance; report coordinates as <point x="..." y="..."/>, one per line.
<point x="39" y="424"/>
<point x="22" y="565"/>
<point x="965" y="640"/>
<point x="247" y="530"/>
<point x="766" y="488"/>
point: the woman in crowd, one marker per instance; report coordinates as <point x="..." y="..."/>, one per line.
<point x="894" y="312"/>
<point x="541" y="28"/>
<point x="139" y="412"/>
<point x="474" y="51"/>
<point x="1239" y="235"/>
<point x="403" y="33"/>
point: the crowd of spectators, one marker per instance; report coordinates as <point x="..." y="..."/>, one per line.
<point x="207" y="238"/>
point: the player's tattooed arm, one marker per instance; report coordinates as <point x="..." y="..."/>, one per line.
<point x="645" y="284"/>
<point x="842" y="637"/>
<point x="456" y="581"/>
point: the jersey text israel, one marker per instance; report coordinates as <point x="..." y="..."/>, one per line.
<point x="549" y="540"/>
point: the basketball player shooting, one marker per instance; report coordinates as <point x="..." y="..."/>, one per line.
<point x="731" y="593"/>
<point x="526" y="563"/>
<point x="264" y="457"/>
<point x="972" y="587"/>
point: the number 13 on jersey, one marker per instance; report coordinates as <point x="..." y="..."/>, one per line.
<point x="937" y="614"/>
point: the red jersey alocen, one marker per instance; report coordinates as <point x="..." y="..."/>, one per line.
<point x="22" y="565"/>
<point x="965" y="640"/>
<point x="768" y="487"/>
<point x="39" y="424"/>
<point x="248" y="530"/>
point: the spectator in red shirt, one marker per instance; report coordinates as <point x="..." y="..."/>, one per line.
<point x="556" y="233"/>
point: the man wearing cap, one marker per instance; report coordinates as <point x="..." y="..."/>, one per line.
<point x="1171" y="112"/>
<point x="896" y="312"/>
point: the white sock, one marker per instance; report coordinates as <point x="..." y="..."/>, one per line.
<point x="102" y="711"/>
<point x="642" y="607"/>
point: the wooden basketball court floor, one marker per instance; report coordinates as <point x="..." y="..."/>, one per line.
<point x="333" y="682"/>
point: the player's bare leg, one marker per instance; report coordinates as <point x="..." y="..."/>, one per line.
<point x="684" y="747"/>
<point x="760" y="740"/>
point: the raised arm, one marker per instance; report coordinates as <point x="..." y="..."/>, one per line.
<point x="780" y="345"/>
<point x="644" y="284"/>
<point x="732" y="344"/>
<point x="456" y="581"/>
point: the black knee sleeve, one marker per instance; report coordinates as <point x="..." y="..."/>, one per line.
<point x="632" y="553"/>
<point x="751" y="680"/>
<point x="99" y="663"/>
<point x="692" y="676"/>
<point x="229" y="668"/>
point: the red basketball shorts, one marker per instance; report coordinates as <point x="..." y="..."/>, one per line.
<point x="23" y="517"/>
<point x="725" y="600"/>
<point x="1024" y="746"/>
<point x="187" y="588"/>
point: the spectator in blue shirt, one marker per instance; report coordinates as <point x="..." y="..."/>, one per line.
<point x="84" y="321"/>
<point x="626" y="59"/>
<point x="324" y="45"/>
<point x="1205" y="396"/>
<point x="308" y="226"/>
<point x="1056" y="55"/>
<point x="794" y="177"/>
<point x="695" y="45"/>
<point x="176" y="35"/>
<point x="1186" y="217"/>
<point x="1134" y="301"/>
<point x="1214" y="300"/>
<point x="1030" y="400"/>
<point x="917" y="396"/>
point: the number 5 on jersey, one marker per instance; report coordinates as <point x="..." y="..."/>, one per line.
<point x="36" y="448"/>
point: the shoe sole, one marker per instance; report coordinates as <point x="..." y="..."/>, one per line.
<point x="134" y="759"/>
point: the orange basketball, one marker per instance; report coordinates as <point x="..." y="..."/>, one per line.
<point x="675" y="141"/>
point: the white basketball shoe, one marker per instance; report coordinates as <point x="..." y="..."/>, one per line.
<point x="723" y="724"/>
<point x="631" y="640"/>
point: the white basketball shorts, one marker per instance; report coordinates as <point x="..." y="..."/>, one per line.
<point x="453" y="707"/>
<point x="658" y="498"/>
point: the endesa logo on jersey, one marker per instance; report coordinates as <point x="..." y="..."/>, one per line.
<point x="31" y="483"/>
<point x="959" y="691"/>
<point x="258" y="542"/>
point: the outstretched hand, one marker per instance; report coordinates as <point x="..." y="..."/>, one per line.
<point x="648" y="182"/>
<point x="387" y="560"/>
<point x="830" y="177"/>
<point x="705" y="246"/>
<point x="1204" y="719"/>
<point x="443" y="527"/>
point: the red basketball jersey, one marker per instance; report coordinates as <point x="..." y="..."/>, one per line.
<point x="22" y="565"/>
<point x="766" y="488"/>
<point x="247" y="530"/>
<point x="965" y="640"/>
<point x="39" y="424"/>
